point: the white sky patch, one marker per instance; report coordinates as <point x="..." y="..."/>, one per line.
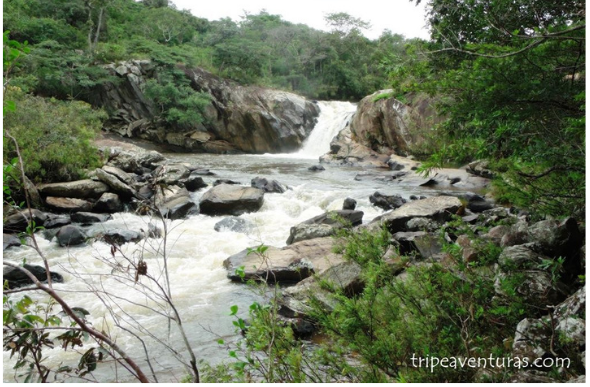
<point x="399" y="16"/>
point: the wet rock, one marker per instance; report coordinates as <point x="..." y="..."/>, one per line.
<point x="70" y="236"/>
<point x="268" y="186"/>
<point x="226" y="199"/>
<point x="235" y="224"/>
<point x="194" y="183"/>
<point x="202" y="172"/>
<point x="115" y="184"/>
<point x="109" y="202"/>
<point x="439" y="209"/>
<point x="387" y="202"/>
<point x="172" y="174"/>
<point x="119" y="237"/>
<point x="89" y="217"/>
<point x="287" y="265"/>
<point x="349" y="204"/>
<point x="16" y="278"/>
<point x="316" y="168"/>
<point x="478" y="204"/>
<point x="119" y="174"/>
<point x="175" y="203"/>
<point x="10" y="240"/>
<point x="125" y="161"/>
<point x="80" y="189"/>
<point x="225" y="181"/>
<point x="19" y="221"/>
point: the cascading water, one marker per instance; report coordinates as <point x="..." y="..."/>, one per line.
<point x="334" y="116"/>
<point x="199" y="286"/>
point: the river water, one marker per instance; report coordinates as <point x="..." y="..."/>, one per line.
<point x="200" y="289"/>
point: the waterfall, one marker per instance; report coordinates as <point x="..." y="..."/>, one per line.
<point x="334" y="116"/>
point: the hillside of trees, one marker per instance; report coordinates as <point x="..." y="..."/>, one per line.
<point x="70" y="39"/>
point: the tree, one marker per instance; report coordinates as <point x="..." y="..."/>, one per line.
<point x="511" y="72"/>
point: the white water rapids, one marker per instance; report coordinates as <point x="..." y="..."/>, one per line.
<point x="200" y="289"/>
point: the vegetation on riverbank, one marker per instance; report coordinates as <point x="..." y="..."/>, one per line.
<point x="511" y="87"/>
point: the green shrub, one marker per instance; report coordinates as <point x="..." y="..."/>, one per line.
<point x="55" y="137"/>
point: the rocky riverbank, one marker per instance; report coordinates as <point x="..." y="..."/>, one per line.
<point x="419" y="228"/>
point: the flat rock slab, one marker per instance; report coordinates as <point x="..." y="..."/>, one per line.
<point x="439" y="208"/>
<point x="68" y="204"/>
<point x="80" y="189"/>
<point x="287" y="265"/>
<point x="226" y="199"/>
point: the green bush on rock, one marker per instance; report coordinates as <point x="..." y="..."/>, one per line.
<point x="54" y="136"/>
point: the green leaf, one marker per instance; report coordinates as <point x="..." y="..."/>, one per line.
<point x="234" y="310"/>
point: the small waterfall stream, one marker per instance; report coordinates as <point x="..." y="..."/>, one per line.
<point x="201" y="291"/>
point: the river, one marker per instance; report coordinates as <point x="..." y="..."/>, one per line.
<point x="200" y="289"/>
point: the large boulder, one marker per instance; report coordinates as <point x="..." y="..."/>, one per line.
<point x="287" y="265"/>
<point x="19" y="221"/>
<point x="226" y="199"/>
<point x="68" y="204"/>
<point x="439" y="208"/>
<point x="172" y="174"/>
<point x="109" y="202"/>
<point x="296" y="301"/>
<point x="324" y="225"/>
<point x="175" y="202"/>
<point x="80" y="189"/>
<point x="121" y="188"/>
<point x="17" y="278"/>
<point x="70" y="236"/>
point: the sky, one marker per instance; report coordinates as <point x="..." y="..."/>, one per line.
<point x="399" y="16"/>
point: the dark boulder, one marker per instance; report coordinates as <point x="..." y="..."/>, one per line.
<point x="349" y="204"/>
<point x="225" y="181"/>
<point x="70" y="236"/>
<point x="316" y="168"/>
<point x="19" y="221"/>
<point x="119" y="237"/>
<point x="89" y="217"/>
<point x="194" y="183"/>
<point x="268" y="186"/>
<point x="387" y="202"/>
<point x="109" y="202"/>
<point x="55" y="221"/>
<point x="16" y="278"/>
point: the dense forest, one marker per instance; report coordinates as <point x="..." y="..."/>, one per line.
<point x="508" y="81"/>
